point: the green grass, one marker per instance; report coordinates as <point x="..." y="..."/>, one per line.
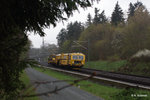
<point x="26" y="81"/>
<point x="105" y="65"/>
<point x="132" y="94"/>
<point x="122" y="66"/>
<point x="24" y="78"/>
<point x="94" y="88"/>
<point x="105" y="92"/>
<point x="138" y="68"/>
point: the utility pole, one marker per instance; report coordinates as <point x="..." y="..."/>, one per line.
<point x="42" y="50"/>
<point x="88" y="50"/>
<point x="43" y="42"/>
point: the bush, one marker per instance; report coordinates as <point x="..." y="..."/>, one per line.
<point x="132" y="94"/>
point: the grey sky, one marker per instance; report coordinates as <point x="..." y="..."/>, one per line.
<point x="107" y="5"/>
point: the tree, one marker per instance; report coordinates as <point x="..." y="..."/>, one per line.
<point x="138" y="4"/>
<point x="117" y="15"/>
<point x="133" y="7"/>
<point x="136" y="33"/>
<point x="41" y="54"/>
<point x="96" y="17"/>
<point x="18" y="17"/>
<point x="99" y="18"/>
<point x="67" y="36"/>
<point x="61" y="37"/>
<point x="102" y="17"/>
<point x="100" y="37"/>
<point x="131" y="10"/>
<point x="74" y="30"/>
<point x="89" y="20"/>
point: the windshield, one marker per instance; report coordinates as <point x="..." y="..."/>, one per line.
<point x="80" y="57"/>
<point x="75" y="57"/>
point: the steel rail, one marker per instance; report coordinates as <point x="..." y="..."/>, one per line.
<point x="119" y="76"/>
<point x="99" y="77"/>
<point x="116" y="73"/>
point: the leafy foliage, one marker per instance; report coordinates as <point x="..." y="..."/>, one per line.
<point x="67" y="36"/>
<point x="100" y="37"/>
<point x="113" y="40"/>
<point x="34" y="15"/>
<point x="133" y="7"/>
<point x="18" y="17"/>
<point x="12" y="64"/>
<point x="89" y="20"/>
<point x="99" y="18"/>
<point x="96" y="19"/>
<point x="62" y="36"/>
<point x="138" y="27"/>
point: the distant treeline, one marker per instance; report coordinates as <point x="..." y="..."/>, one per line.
<point x="115" y="38"/>
<point x="41" y="54"/>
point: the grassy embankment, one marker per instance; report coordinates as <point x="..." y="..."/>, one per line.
<point x="122" y="66"/>
<point x="26" y="81"/>
<point x="105" y="92"/>
<point x="105" y="65"/>
<point x="137" y="68"/>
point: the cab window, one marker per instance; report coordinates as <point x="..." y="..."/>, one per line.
<point x="81" y="57"/>
<point x="65" y="57"/>
<point x="75" y="57"/>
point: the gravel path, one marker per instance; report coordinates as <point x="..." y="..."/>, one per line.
<point x="71" y="93"/>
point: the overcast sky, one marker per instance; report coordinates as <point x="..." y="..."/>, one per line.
<point x="107" y="5"/>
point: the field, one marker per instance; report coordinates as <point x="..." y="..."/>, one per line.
<point x="105" y="92"/>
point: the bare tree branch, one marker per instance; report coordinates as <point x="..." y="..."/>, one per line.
<point x="48" y="93"/>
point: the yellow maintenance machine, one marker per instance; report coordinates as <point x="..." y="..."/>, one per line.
<point x="74" y="60"/>
<point x="51" y="59"/>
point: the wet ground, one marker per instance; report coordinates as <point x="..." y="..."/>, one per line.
<point x="70" y="93"/>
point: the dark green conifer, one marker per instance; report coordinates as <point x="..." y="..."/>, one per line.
<point x="117" y="15"/>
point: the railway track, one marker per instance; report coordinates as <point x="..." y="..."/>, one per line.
<point x="119" y="76"/>
<point x="110" y="77"/>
